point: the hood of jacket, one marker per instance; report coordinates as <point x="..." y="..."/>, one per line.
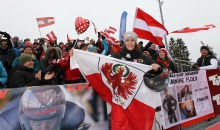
<point x="57" y="53"/>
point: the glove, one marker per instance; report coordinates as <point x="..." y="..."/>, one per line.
<point x="6" y="35"/>
<point x="2" y="33"/>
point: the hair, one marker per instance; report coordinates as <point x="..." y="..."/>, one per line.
<point x="187" y="88"/>
<point x="82" y="45"/>
<point x="136" y="47"/>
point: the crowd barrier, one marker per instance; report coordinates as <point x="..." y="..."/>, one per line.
<point x="194" y="95"/>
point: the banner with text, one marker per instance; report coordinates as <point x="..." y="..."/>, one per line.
<point x="186" y="98"/>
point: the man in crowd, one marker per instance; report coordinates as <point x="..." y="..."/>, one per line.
<point x="151" y="48"/>
<point x="207" y="60"/>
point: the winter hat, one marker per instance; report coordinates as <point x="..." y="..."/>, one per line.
<point x="24" y="58"/>
<point x="204" y="47"/>
<point x="28" y="44"/>
<point x="164" y="50"/>
<point x="130" y="35"/>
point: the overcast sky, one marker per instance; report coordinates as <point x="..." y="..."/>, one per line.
<point x="18" y="18"/>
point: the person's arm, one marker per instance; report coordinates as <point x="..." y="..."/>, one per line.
<point x="147" y="46"/>
<point x="105" y="44"/>
<point x="214" y="65"/>
<point x="44" y="67"/>
<point x="3" y="75"/>
<point x="174" y="101"/>
<point x="20" y="81"/>
<point x="164" y="105"/>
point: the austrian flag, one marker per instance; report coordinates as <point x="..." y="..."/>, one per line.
<point x="120" y="83"/>
<point x="51" y="36"/>
<point x="45" y="21"/>
<point x="148" y="28"/>
<point x="112" y="30"/>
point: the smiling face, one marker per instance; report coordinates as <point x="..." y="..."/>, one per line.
<point x="4" y="45"/>
<point x="162" y="54"/>
<point x="28" y="50"/>
<point x="130" y="44"/>
<point x="29" y="64"/>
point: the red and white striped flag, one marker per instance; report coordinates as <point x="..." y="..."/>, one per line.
<point x="45" y="21"/>
<point x="107" y="32"/>
<point x="146" y="27"/>
<point x="104" y="34"/>
<point x="51" y="36"/>
<point x="189" y="30"/>
<point x="112" y="30"/>
<point x="95" y="29"/>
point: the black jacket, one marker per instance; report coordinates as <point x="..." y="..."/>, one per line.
<point x="168" y="101"/>
<point x="134" y="56"/>
<point x="153" y="53"/>
<point x="6" y="57"/>
<point x="205" y="61"/>
<point x="21" y="76"/>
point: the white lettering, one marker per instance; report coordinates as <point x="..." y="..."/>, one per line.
<point x="215" y="80"/>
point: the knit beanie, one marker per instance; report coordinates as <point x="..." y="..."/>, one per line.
<point x="28" y="44"/>
<point x="130" y="35"/>
<point x="163" y="50"/>
<point x="204" y="47"/>
<point x="24" y="58"/>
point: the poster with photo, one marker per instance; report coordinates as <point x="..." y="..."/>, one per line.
<point x="52" y="107"/>
<point x="188" y="97"/>
<point x="170" y="106"/>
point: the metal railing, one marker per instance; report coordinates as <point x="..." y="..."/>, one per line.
<point x="183" y="65"/>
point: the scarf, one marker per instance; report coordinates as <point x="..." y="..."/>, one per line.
<point x="164" y="63"/>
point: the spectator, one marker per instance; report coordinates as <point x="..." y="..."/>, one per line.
<point x="7" y="55"/>
<point x="15" y="41"/>
<point x="28" y="49"/>
<point x="19" y="49"/>
<point x="24" y="74"/>
<point x="165" y="61"/>
<point x="3" y="75"/>
<point x="71" y="76"/>
<point x="83" y="47"/>
<point x="130" y="51"/>
<point x="151" y="48"/>
<point x="35" y="44"/>
<point x="207" y="61"/>
<point x="50" y="63"/>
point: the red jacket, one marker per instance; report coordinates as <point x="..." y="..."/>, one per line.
<point x="70" y="75"/>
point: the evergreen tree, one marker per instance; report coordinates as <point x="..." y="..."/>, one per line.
<point x="178" y="50"/>
<point x="180" y="54"/>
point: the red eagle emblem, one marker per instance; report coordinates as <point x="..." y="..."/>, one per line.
<point x="122" y="80"/>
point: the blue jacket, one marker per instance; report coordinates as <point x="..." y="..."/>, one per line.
<point x="17" y="51"/>
<point x="36" y="64"/>
<point x="3" y="75"/>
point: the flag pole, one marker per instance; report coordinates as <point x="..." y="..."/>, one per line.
<point x="161" y="14"/>
<point x="40" y="32"/>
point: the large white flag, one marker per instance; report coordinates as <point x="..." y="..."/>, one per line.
<point x="120" y="83"/>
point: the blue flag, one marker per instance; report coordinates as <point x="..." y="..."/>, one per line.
<point x="123" y="25"/>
